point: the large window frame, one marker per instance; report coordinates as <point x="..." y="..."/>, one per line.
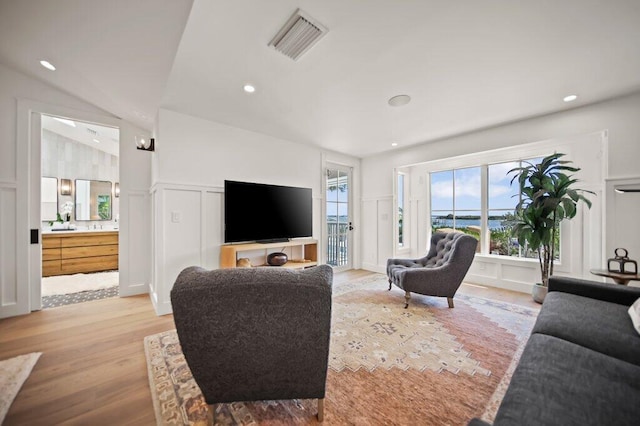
<point x="483" y="231"/>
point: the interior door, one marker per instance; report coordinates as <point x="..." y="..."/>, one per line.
<point x="338" y="219"/>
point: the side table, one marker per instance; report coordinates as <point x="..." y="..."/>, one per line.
<point x="617" y="277"/>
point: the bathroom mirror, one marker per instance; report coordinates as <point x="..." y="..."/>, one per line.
<point x="93" y="200"/>
<point x="49" y="199"/>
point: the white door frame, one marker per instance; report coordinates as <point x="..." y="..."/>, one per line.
<point x="350" y="249"/>
<point x="28" y="162"/>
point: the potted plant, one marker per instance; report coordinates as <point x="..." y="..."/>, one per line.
<point x="548" y="197"/>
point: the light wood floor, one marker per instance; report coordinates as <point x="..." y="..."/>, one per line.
<point x="93" y="369"/>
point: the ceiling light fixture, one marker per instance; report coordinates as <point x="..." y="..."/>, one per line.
<point x="47" y="65"/>
<point x="570" y="98"/>
<point x="65" y="121"/>
<point x="400" y="100"/>
<point x="249" y="88"/>
<point x="394" y="144"/>
<point x="96" y="141"/>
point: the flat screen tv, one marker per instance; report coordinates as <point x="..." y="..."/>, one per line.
<point x="266" y="213"/>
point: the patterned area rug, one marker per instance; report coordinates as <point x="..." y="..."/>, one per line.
<point x="13" y="373"/>
<point x="387" y="365"/>
<point x="83" y="296"/>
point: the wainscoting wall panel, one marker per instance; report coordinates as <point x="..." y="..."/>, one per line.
<point x="377" y="214"/>
<point x="135" y="228"/>
<point x="8" y="262"/>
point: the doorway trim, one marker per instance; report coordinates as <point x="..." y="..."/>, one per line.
<point x="349" y="170"/>
<point x="29" y="143"/>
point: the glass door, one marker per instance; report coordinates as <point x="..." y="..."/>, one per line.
<point x="338" y="217"/>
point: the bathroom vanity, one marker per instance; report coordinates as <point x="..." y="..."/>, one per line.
<point x="72" y="252"/>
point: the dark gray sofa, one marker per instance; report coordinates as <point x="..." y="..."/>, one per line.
<point x="581" y="365"/>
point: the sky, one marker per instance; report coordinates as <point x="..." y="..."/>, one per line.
<point x="468" y="189"/>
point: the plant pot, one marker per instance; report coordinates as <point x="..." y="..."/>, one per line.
<point x="539" y="292"/>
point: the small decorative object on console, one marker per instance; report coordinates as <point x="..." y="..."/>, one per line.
<point x="277" y="259"/>
<point x="243" y="262"/>
<point x="621" y="263"/>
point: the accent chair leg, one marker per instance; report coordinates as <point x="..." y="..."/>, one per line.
<point x="450" y="301"/>
<point x="320" y="409"/>
<point x="389" y="285"/>
<point x="407" y="297"/>
<point x="211" y="414"/>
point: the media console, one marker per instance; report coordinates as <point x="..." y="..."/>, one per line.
<point x="302" y="253"/>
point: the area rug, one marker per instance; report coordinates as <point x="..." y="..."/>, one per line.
<point x="387" y="365"/>
<point x="13" y="373"/>
<point x="84" y="296"/>
<point x="67" y="284"/>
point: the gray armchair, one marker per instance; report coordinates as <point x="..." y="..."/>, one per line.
<point x="252" y="334"/>
<point x="440" y="272"/>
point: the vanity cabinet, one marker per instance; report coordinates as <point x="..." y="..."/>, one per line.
<point x="76" y="252"/>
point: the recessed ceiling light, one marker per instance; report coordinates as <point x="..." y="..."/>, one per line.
<point x="399" y="100"/>
<point x="570" y="98"/>
<point x="65" y="121"/>
<point x="394" y="144"/>
<point x="47" y="65"/>
<point x="249" y="88"/>
<point x="96" y="141"/>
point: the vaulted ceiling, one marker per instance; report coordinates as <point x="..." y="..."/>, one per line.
<point x="466" y="64"/>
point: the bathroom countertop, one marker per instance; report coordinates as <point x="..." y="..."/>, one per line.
<point x="78" y="231"/>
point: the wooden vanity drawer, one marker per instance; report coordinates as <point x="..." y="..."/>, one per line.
<point x="50" y="242"/>
<point x="96" y="239"/>
<point x="51" y="267"/>
<point x="50" y="254"/>
<point x="89" y="264"/>
<point x="93" y="251"/>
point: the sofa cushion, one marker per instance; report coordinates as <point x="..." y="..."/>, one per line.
<point x="561" y="383"/>
<point x="602" y="326"/>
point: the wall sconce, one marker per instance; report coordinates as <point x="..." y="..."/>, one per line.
<point x="65" y="186"/>
<point x="145" y="144"/>
<point x="116" y="190"/>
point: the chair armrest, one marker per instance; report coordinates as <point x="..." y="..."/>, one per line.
<point x="619" y="294"/>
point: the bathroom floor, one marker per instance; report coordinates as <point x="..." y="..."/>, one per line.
<point x="77" y="288"/>
<point x="84" y="296"/>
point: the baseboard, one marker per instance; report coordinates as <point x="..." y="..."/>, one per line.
<point x="504" y="284"/>
<point x="134" y="290"/>
<point x="374" y="268"/>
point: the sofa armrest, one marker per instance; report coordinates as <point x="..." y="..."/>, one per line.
<point x="619" y="294"/>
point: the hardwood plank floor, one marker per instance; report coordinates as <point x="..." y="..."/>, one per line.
<point x="93" y="369"/>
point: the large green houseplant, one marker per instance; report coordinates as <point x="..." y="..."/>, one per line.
<point x="548" y="196"/>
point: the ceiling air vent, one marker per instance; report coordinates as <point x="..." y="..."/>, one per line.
<point x="298" y="35"/>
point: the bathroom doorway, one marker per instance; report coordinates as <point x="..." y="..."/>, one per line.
<point x="80" y="211"/>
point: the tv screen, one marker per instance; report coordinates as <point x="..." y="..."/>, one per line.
<point x="259" y="212"/>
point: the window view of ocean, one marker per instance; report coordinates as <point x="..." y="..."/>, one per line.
<point x="444" y="222"/>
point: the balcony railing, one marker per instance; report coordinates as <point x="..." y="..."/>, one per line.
<point x="337" y="248"/>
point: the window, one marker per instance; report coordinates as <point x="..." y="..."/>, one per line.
<point x="456" y="201"/>
<point x="401" y="187"/>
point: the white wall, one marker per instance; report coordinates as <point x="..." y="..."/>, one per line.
<point x="14" y="183"/>
<point x="619" y="117"/>
<point x="192" y="160"/>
